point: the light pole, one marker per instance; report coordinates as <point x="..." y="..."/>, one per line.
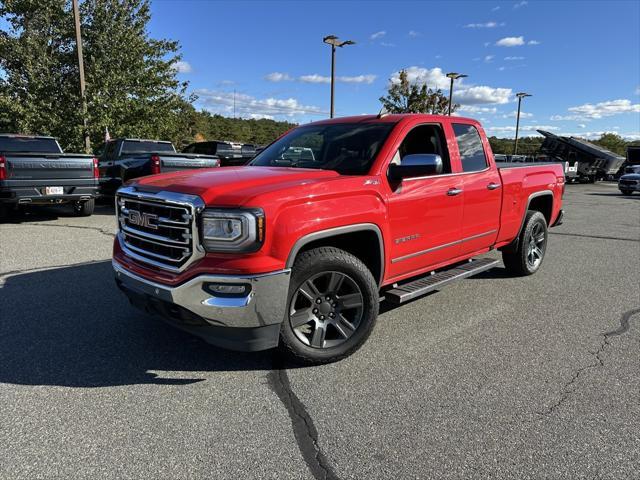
<point x="453" y="76"/>
<point x="520" y="96"/>
<point x="334" y="42"/>
<point x="83" y="98"/>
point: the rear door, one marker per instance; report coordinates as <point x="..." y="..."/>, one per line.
<point x="425" y="213"/>
<point x="482" y="190"/>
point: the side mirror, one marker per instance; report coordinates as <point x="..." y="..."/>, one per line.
<point x="417" y="165"/>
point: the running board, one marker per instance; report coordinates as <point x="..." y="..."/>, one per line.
<point x="423" y="285"/>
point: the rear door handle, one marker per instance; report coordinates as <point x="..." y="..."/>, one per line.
<point x="493" y="186"/>
<point x="454" y="191"/>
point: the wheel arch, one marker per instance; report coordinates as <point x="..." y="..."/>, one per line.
<point x="363" y="240"/>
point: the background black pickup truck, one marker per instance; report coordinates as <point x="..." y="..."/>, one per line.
<point x="35" y="171"/>
<point x="127" y="158"/>
<point x="230" y="154"/>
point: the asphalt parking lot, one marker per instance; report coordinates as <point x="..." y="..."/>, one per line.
<point x="493" y="377"/>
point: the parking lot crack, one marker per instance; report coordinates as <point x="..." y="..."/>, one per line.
<point x="304" y="429"/>
<point x="103" y="231"/>
<point x="597" y="237"/>
<point x="572" y="385"/>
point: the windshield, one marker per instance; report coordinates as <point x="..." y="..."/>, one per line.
<point x="29" y="145"/>
<point x="347" y="148"/>
<point x="133" y="146"/>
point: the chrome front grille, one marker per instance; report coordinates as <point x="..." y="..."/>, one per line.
<point x="159" y="228"/>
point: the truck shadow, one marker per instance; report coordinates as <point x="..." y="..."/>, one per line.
<point x="72" y="327"/>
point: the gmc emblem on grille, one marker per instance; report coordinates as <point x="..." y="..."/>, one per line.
<point x="148" y="220"/>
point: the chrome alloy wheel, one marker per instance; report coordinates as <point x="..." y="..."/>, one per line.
<point x="536" y="247"/>
<point x="326" y="310"/>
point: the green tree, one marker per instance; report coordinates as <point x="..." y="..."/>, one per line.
<point x="405" y="96"/>
<point x="613" y="142"/>
<point x="132" y="87"/>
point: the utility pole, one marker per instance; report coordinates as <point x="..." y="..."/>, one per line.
<point x="76" y="15"/>
<point x="334" y="42"/>
<point x="453" y="76"/>
<point x="520" y="96"/>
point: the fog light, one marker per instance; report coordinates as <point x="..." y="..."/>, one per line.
<point x="228" y="289"/>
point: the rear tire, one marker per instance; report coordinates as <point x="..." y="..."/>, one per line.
<point x="526" y="258"/>
<point x="84" y="209"/>
<point x="332" y="307"/>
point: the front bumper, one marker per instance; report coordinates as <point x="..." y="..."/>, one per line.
<point x="629" y="186"/>
<point x="250" y="322"/>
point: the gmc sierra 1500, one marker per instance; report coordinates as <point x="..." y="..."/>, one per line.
<point x="297" y="250"/>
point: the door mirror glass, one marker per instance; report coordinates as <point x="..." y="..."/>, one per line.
<point x="416" y="165"/>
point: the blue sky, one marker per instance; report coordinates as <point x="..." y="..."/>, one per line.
<point x="579" y="60"/>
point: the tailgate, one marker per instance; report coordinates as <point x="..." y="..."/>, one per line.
<point x="177" y="162"/>
<point x="42" y="167"/>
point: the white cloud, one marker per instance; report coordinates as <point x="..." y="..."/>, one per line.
<point x="582" y="125"/>
<point x="368" y="79"/>
<point x="521" y="4"/>
<point x="488" y="58"/>
<point x="278" y="77"/>
<point x="484" y="25"/>
<point x="528" y="130"/>
<point x="387" y="44"/>
<point x="380" y="34"/>
<point x="514" y="114"/>
<point x="597" y="134"/>
<point x="496" y="8"/>
<point x="482" y="94"/>
<point x="260" y="116"/>
<point x="182" y="67"/>
<point x="533" y="42"/>
<point x="475" y="110"/>
<point x="248" y="106"/>
<point x="590" y="111"/>
<point x="486" y="44"/>
<point x="414" y="34"/>
<point x="463" y="94"/>
<point x="434" y="78"/>
<point x="511" y="59"/>
<point x="638" y="90"/>
<point x="510" y="42"/>
<point x="315" y="78"/>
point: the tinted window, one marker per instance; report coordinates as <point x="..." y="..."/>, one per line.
<point x="29" y="144"/>
<point x="347" y="148"/>
<point x="145" y="146"/>
<point x="423" y="139"/>
<point x="470" y="145"/>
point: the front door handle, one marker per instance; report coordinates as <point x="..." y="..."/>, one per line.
<point x="454" y="191"/>
<point x="493" y="186"/>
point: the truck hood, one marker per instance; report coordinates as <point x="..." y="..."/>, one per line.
<point x="235" y="185"/>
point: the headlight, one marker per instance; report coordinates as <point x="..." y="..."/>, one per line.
<point x="232" y="230"/>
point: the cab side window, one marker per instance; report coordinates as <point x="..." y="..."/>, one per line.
<point x="472" y="154"/>
<point x="424" y="139"/>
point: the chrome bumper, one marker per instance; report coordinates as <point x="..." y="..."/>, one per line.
<point x="264" y="305"/>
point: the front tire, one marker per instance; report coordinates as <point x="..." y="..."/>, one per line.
<point x="526" y="258"/>
<point x="84" y="209"/>
<point x="332" y="307"/>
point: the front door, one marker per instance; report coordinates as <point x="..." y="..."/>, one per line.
<point x="425" y="214"/>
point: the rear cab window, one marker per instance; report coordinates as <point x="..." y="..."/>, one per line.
<point x="472" y="155"/>
<point x="29" y="145"/>
<point x="146" y="146"/>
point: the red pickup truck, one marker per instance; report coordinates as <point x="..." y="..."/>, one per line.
<point x="298" y="248"/>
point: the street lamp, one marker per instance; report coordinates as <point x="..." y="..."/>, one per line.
<point x="334" y="42"/>
<point x="453" y="76"/>
<point x="520" y="96"/>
